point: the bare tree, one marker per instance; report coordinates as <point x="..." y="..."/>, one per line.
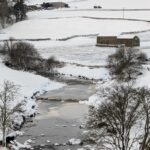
<point x="126" y="63"/>
<point x="8" y="107"/>
<point x="8" y="45"/>
<point x="121" y="122"/>
<point x="22" y="55"/>
<point x="7" y="10"/>
<point x="144" y="96"/>
<point x="3" y="12"/>
<point x="20" y="10"/>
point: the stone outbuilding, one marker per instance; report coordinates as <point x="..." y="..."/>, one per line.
<point x="115" y="41"/>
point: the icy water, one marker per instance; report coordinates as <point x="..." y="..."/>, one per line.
<point x="57" y="123"/>
<point x="78" y="92"/>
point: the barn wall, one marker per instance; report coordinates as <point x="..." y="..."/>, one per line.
<point x="126" y="42"/>
<point x="107" y="40"/>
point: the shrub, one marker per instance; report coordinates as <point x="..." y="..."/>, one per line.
<point x="126" y="63"/>
<point x="51" y="63"/>
<point x="23" y="55"/>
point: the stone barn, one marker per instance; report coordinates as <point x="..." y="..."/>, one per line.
<point x="114" y="41"/>
<point x="129" y="40"/>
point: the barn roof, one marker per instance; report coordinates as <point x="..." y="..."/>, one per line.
<point x="127" y="36"/>
<point x="124" y="36"/>
<point x="109" y="36"/>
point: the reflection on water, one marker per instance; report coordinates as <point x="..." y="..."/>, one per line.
<point x="68" y="111"/>
<point x="64" y="110"/>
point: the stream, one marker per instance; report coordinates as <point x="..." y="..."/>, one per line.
<point x="57" y="121"/>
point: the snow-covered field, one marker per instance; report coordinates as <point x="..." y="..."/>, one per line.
<point x="104" y="3"/>
<point x="63" y="23"/>
<point x="66" y="27"/>
<point x="107" y="4"/>
<point x="66" y="13"/>
<point x="78" y="20"/>
<point x="88" y="55"/>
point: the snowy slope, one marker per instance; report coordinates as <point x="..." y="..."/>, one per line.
<point x="28" y="82"/>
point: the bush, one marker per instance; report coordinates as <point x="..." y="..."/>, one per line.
<point x="23" y="55"/>
<point x="126" y="63"/>
<point x="51" y="63"/>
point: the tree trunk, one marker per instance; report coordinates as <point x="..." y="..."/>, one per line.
<point x="4" y="137"/>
